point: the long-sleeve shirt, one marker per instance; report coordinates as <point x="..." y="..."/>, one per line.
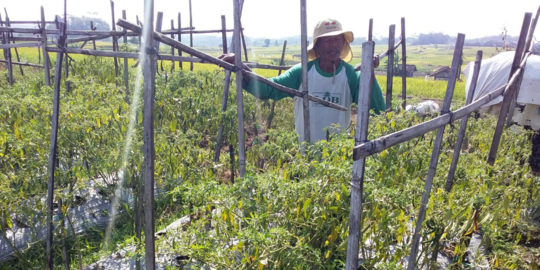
<point x="341" y="88"/>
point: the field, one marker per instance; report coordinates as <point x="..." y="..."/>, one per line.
<point x="291" y="211"/>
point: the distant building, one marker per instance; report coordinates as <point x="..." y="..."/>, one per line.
<point x="410" y="69"/>
<point x="441" y="74"/>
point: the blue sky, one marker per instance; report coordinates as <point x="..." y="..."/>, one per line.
<point x="281" y="18"/>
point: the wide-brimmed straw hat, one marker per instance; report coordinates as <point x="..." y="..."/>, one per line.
<point x="330" y="27"/>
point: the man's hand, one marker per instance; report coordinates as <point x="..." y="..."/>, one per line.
<point x="229" y="58"/>
<point x="376" y="61"/>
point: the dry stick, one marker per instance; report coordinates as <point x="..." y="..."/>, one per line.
<point x="281" y="62"/>
<point x="508" y="98"/>
<point x="44" y="49"/>
<point x="370" y="30"/>
<point x="526" y="49"/>
<point x="114" y="40"/>
<point x="159" y="22"/>
<point x="463" y="126"/>
<point x="304" y="41"/>
<point x="172" y="48"/>
<point x="149" y="72"/>
<point x="357" y="183"/>
<point x="210" y="59"/>
<point x="126" y="70"/>
<point x="8" y="24"/>
<point x="239" y="90"/>
<point x="53" y="148"/>
<point x="180" y="38"/>
<point x="390" y="67"/>
<point x="458" y="52"/>
<point x="23" y="64"/>
<point x="382" y="143"/>
<point x="191" y="34"/>
<point x="217" y="150"/>
<point x="403" y="65"/>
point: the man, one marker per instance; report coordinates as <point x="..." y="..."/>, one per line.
<point x="330" y="77"/>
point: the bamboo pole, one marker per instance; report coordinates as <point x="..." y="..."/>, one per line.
<point x="458" y="52"/>
<point x="463" y="126"/>
<point x="370" y="30"/>
<point x="159" y="24"/>
<point x="219" y="142"/>
<point x="357" y="183"/>
<point x="7" y="54"/>
<point x="44" y="50"/>
<point x="126" y="69"/>
<point x="180" y="38"/>
<point x="526" y="49"/>
<point x="175" y="31"/>
<point x="390" y="67"/>
<point x="20" y="45"/>
<point x="23" y="64"/>
<point x="140" y="24"/>
<point x="264" y="66"/>
<point x="403" y="65"/>
<point x="53" y="148"/>
<point x="114" y="40"/>
<point x="239" y="90"/>
<point x="32" y="22"/>
<point x="243" y="42"/>
<point x="122" y="54"/>
<point x="191" y="34"/>
<point x="149" y="72"/>
<point x="210" y="59"/>
<point x="281" y="62"/>
<point x="3" y="40"/>
<point x="507" y="99"/>
<point x="305" y="91"/>
<point x="172" y="48"/>
<point x="8" y="24"/>
<point x="66" y="55"/>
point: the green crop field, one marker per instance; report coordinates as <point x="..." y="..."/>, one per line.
<point x="291" y="210"/>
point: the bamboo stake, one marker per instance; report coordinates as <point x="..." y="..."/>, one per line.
<point x="526" y="49"/>
<point x="458" y="52"/>
<point x="93" y="29"/>
<point x="149" y="73"/>
<point x="390" y="68"/>
<point x="305" y="91"/>
<point x="463" y="126"/>
<point x="126" y="69"/>
<point x="219" y="142"/>
<point x="159" y="23"/>
<point x="370" y="30"/>
<point x="140" y="24"/>
<point x="66" y="57"/>
<point x="239" y="90"/>
<point x="271" y="115"/>
<point x="243" y="42"/>
<point x="23" y="64"/>
<point x="44" y="49"/>
<point x="53" y="148"/>
<point x="403" y="65"/>
<point x="210" y="59"/>
<point x="180" y="38"/>
<point x="19" y="45"/>
<point x="508" y="99"/>
<point x="8" y="24"/>
<point x="3" y="39"/>
<point x="7" y="54"/>
<point x="114" y="40"/>
<point x="172" y="48"/>
<point x="191" y="34"/>
<point x="357" y="183"/>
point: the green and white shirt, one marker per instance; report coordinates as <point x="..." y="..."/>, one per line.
<point x="342" y="89"/>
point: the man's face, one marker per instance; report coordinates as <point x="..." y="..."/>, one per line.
<point x="329" y="48"/>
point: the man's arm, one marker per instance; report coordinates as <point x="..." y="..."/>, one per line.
<point x="292" y="78"/>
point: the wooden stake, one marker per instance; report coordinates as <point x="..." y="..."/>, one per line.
<point x="390" y="68"/>
<point x="305" y="91"/>
<point x="458" y="52"/>
<point x="172" y="48"/>
<point x="7" y="54"/>
<point x="8" y="24"/>
<point x="403" y="65"/>
<point x="191" y="34"/>
<point x="53" y="148"/>
<point x="357" y="183"/>
<point x="126" y="68"/>
<point x="180" y="38"/>
<point x="463" y="126"/>
<point x="114" y="40"/>
<point x="370" y="30"/>
<point x="281" y="63"/>
<point x="219" y="142"/>
<point x="239" y="90"/>
<point x="44" y="49"/>
<point x="149" y="73"/>
<point x="526" y="49"/>
<point x="159" y="23"/>
<point x="507" y="99"/>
